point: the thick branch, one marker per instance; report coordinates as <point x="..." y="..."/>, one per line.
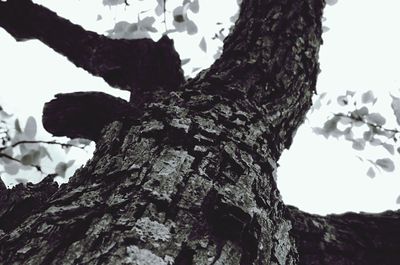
<point x="84" y="114"/>
<point x="271" y="61"/>
<point x="125" y="64"/>
<point x="350" y="238"/>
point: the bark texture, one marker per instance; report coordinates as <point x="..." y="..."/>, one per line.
<point x="191" y="179"/>
<point x="347" y="239"/>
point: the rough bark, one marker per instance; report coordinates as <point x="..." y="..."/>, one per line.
<point x="191" y="180"/>
<point x="347" y="239"/>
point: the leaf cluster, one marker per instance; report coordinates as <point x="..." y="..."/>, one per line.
<point x="20" y="149"/>
<point x="363" y="126"/>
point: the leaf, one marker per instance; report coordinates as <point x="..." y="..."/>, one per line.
<point x="345" y="120"/>
<point x="367" y="135"/>
<point x="147" y="24"/>
<point x="331" y="2"/>
<point x="396" y="108"/>
<point x="368" y="97"/>
<point x="113" y="2"/>
<point x="194" y="69"/>
<point x="70" y="163"/>
<point x="27" y="159"/>
<point x="359" y="114"/>
<point x="358" y="144"/>
<point x="348" y="134"/>
<point x="329" y="128"/>
<point x="325" y="29"/>
<point x="363" y="111"/>
<point x="342" y="100"/>
<point x="389" y="148"/>
<point x="31" y="158"/>
<point x="30" y="128"/>
<point x="62" y="167"/>
<point x="386" y="164"/>
<point x="12" y="168"/>
<point x="8" y="151"/>
<point x="203" y="45"/>
<point x="43" y="153"/>
<point x="17" y="126"/>
<point x="318" y="102"/>
<point x="331" y="125"/>
<point x="375" y="142"/>
<point x="194" y="6"/>
<point x="376" y="118"/>
<point x="322" y="95"/>
<point x="185" y="61"/>
<point x="191" y="27"/>
<point x="131" y="28"/>
<point x="350" y="93"/>
<point x="83" y="141"/>
<point x="179" y="14"/>
<point x="160" y="7"/>
<point x="371" y="173"/>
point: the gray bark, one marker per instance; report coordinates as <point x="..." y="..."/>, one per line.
<point x="191" y="179"/>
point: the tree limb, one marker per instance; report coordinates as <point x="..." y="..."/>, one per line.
<point x="84" y="114"/>
<point x="37" y="167"/>
<point x="125" y="64"/>
<point x="350" y="238"/>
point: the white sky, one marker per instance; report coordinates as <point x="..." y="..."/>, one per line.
<point x="317" y="175"/>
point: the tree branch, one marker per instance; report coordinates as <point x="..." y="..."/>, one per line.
<point x="41" y="142"/>
<point x="360" y="119"/>
<point x="271" y="60"/>
<point x="84" y="114"/>
<point x="350" y="238"/>
<point x="38" y="168"/>
<point x="125" y="64"/>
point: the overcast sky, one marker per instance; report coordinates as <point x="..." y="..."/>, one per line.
<point x="360" y="53"/>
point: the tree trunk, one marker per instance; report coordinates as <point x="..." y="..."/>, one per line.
<point x="191" y="179"/>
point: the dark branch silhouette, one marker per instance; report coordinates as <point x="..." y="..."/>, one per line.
<point x="84" y="114"/>
<point x="349" y="238"/>
<point x="126" y="64"/>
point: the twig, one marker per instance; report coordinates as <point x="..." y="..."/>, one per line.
<point x="38" y="168"/>
<point x="41" y="142"/>
<point x="394" y="131"/>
